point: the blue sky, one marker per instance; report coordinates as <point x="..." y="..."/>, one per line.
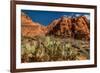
<point x="46" y="17"/>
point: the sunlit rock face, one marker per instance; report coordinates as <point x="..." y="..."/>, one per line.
<point x="81" y="29"/>
<point x="30" y="28"/>
<point x="77" y="27"/>
<point x="70" y="27"/>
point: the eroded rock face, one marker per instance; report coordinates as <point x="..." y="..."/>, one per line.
<point x="77" y="27"/>
<point x="30" y="28"/>
<point x="81" y="29"/>
<point x="70" y="27"/>
<point x="61" y="27"/>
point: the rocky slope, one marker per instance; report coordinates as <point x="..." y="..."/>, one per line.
<point x="30" y="28"/>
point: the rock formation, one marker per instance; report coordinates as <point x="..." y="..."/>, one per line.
<point x="60" y="27"/>
<point x="77" y="27"/>
<point x="81" y="29"/>
<point x="70" y="27"/>
<point x="30" y="28"/>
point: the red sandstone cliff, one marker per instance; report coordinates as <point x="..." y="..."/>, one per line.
<point x="77" y="27"/>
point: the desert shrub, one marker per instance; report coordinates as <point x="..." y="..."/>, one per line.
<point x="50" y="48"/>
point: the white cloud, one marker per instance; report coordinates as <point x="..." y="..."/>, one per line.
<point x="65" y="15"/>
<point x="87" y="16"/>
<point x="77" y="15"/>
